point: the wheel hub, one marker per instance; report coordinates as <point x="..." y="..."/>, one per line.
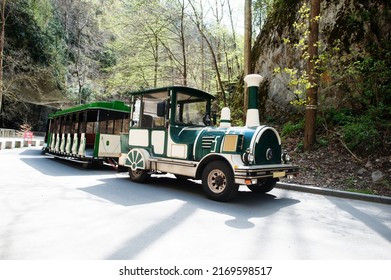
<point x="217" y="181"/>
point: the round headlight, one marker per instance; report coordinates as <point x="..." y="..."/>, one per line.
<point x="285" y="158"/>
<point x="248" y="157"/>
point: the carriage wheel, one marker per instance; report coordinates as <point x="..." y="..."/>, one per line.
<point x="138" y="175"/>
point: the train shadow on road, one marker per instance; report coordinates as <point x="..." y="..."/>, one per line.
<point x="243" y="213"/>
<point x="245" y="206"/>
<point x="51" y="166"/>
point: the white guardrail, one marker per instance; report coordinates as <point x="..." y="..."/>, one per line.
<point x="11" y="138"/>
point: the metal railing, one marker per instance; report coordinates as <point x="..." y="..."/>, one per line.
<point x="9" y="133"/>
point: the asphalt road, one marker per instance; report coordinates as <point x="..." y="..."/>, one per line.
<point x="50" y="209"/>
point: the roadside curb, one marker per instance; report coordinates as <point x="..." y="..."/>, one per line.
<point x="336" y="193"/>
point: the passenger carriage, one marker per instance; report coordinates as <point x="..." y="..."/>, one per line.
<point x="88" y="133"/>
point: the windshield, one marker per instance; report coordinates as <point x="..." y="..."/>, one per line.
<point x="191" y="110"/>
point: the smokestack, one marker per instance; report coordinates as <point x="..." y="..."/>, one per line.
<point x="252" y="81"/>
<point x="225" y="120"/>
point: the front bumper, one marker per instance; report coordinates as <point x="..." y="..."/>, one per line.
<point x="251" y="174"/>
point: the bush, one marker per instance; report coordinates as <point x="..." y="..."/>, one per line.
<point x="290" y="128"/>
<point x="361" y="134"/>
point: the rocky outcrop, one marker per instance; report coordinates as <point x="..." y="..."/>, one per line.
<point x="356" y="25"/>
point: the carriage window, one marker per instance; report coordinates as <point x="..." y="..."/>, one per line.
<point x="125" y="125"/>
<point x="90" y="127"/>
<point x="110" y="126"/>
<point x="75" y="123"/>
<point x="103" y="125"/>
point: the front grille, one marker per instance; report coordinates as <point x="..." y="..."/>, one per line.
<point x="207" y="142"/>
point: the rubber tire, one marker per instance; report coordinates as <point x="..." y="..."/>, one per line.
<point x="230" y="190"/>
<point x="138" y="175"/>
<point x="264" y="187"/>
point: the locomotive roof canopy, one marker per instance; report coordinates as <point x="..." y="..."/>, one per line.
<point x="182" y="89"/>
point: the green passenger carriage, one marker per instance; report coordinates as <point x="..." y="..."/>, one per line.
<point x="88" y="133"/>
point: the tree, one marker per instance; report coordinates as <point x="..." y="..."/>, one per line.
<point x="236" y="60"/>
<point x="198" y="21"/>
<point x="312" y="91"/>
<point x="2" y="31"/>
<point x="247" y="46"/>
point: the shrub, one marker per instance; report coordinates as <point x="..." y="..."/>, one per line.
<point x="290" y="127"/>
<point x="361" y="134"/>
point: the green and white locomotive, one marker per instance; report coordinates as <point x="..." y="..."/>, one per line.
<point x="170" y="132"/>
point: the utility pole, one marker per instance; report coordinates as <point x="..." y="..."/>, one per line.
<point x="247" y="46"/>
<point x="312" y="91"/>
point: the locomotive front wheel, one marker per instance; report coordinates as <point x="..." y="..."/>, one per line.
<point x="138" y="175"/>
<point x="263" y="187"/>
<point x="218" y="181"/>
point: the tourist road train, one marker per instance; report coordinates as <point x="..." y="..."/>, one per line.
<point x="172" y="130"/>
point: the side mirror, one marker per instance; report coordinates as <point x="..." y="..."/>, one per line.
<point x="206" y="120"/>
<point x="161" y="109"/>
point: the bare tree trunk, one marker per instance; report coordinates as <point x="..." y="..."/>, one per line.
<point x="233" y="35"/>
<point x="200" y="26"/>
<point x="247" y="46"/>
<point x="216" y="66"/>
<point x="203" y="78"/>
<point x="312" y="92"/>
<point x="182" y="36"/>
<point x="156" y="56"/>
<point x="1" y="51"/>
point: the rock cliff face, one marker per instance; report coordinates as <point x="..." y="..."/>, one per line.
<point x="357" y="26"/>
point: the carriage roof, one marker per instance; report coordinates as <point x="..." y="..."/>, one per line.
<point x="118" y="106"/>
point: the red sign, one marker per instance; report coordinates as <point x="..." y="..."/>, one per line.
<point x="28" y="136"/>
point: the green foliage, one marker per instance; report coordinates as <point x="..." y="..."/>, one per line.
<point x="297" y="77"/>
<point x="364" y="132"/>
<point x="291" y="127"/>
<point x="366" y="77"/>
<point x="372" y="78"/>
<point x="355" y="82"/>
<point x="34" y="40"/>
<point x="361" y="133"/>
<point x="36" y="30"/>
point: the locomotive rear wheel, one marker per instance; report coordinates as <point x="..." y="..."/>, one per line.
<point x="138" y="175"/>
<point x="218" y="181"/>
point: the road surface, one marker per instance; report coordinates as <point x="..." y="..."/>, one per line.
<point x="51" y="209"/>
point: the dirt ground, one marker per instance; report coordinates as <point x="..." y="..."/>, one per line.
<point x="333" y="166"/>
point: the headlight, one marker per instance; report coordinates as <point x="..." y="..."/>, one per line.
<point x="285" y="158"/>
<point x="248" y="157"/>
